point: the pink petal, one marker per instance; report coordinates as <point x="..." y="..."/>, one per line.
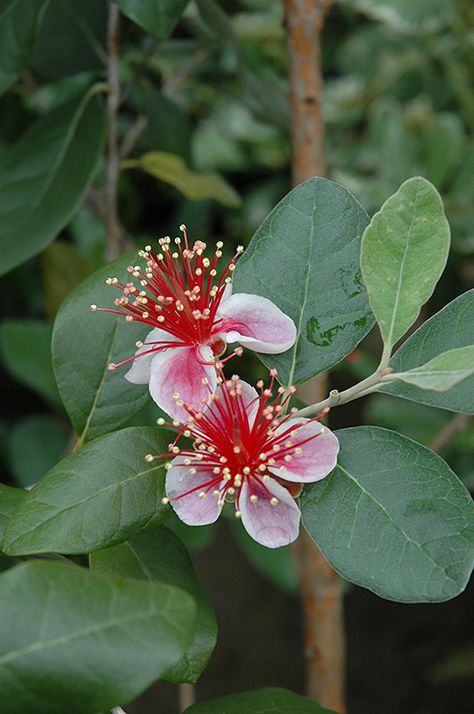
<point x="249" y="396"/>
<point x="139" y="372"/>
<point x="257" y="323"/>
<point x="178" y="370"/>
<point x="318" y="455"/>
<point x="270" y="525"/>
<point x="190" y="508"/>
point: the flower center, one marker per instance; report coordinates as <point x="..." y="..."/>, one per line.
<point x="218" y="346"/>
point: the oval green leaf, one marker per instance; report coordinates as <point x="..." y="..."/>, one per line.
<point x="19" y="24"/>
<point x="305" y="258"/>
<point x="157" y="17"/>
<point x="404" y="251"/>
<point x="84" y="342"/>
<point x="159" y="556"/>
<point x="98" y="496"/>
<point x="442" y="372"/>
<point x="260" y="701"/>
<point x="451" y="328"/>
<point x="82" y="642"/>
<point x="393" y="518"/>
<point x="45" y="176"/>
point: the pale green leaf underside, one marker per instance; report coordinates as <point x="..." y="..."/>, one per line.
<point x="393" y="517"/>
<point x="79" y="642"/>
<point x="451" y="328"/>
<point x="404" y="251"/>
<point x="442" y="372"/>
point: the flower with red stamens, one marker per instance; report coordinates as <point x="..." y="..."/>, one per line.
<point x="193" y="315"/>
<point x="245" y="449"/>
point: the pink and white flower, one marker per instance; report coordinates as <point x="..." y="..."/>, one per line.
<point x="193" y="315"/>
<point x="245" y="450"/>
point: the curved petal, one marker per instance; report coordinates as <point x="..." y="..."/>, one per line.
<point x="257" y="323"/>
<point x="139" y="372"/>
<point x="271" y="525"/>
<point x="191" y="508"/>
<point x="319" y="450"/>
<point x="226" y="294"/>
<point x="178" y="370"/>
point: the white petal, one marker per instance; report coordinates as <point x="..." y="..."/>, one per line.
<point x="271" y="525"/>
<point x="139" y="372"/>
<point x="178" y="370"/>
<point x="190" y="507"/>
<point x="257" y="323"/>
<point x="318" y="452"/>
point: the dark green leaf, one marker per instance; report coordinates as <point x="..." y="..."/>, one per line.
<point x="305" y="258"/>
<point x="157" y="17"/>
<point x="84" y="343"/>
<point x="83" y="642"/>
<point x="26" y="353"/>
<point x="393" y="518"/>
<point x="72" y="38"/>
<point x="34" y="446"/>
<point x="10" y="499"/>
<point x="45" y="176"/>
<point x="450" y="328"/>
<point x="270" y="700"/>
<point x="19" y="24"/>
<point x="100" y="495"/>
<point x="159" y="556"/>
<point x="410" y="226"/>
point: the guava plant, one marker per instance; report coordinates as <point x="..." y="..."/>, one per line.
<point x="387" y="513"/>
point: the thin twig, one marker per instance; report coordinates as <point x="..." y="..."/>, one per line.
<point x="132" y="136"/>
<point x="186" y="696"/>
<point x="321" y="590"/>
<point x="112" y="224"/>
<point x="458" y="423"/>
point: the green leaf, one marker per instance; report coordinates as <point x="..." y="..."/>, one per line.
<point x="159" y="556"/>
<point x="305" y="258"/>
<point x="26" y="353"/>
<point x="441" y="372"/>
<point x="172" y="169"/>
<point x="157" y="17"/>
<point x="84" y="343"/>
<point x="83" y="642"/>
<point x="399" y="276"/>
<point x="63" y="268"/>
<point x="403" y="15"/>
<point x="445" y="145"/>
<point x="270" y="700"/>
<point x="99" y="496"/>
<point x="19" y="24"/>
<point x="45" y="176"/>
<point x="35" y="445"/>
<point x="10" y="499"/>
<point x="450" y="328"/>
<point x="393" y="518"/>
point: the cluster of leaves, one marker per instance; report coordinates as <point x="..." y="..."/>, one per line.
<point x="393" y="517"/>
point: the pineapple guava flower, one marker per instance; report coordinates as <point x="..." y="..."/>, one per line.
<point x="193" y="315"/>
<point x="244" y="449"/>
